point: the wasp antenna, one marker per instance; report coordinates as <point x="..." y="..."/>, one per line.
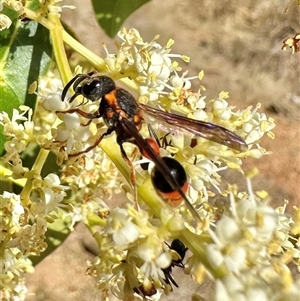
<point x="73" y="97"/>
<point x="75" y="81"/>
<point x="67" y="87"/>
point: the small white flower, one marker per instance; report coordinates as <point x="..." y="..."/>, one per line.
<point x="119" y="224"/>
<point x="12" y="212"/>
<point x="228" y="230"/>
<point x="47" y="195"/>
<point x="5" y="22"/>
<point x="154" y="262"/>
<point x="127" y="234"/>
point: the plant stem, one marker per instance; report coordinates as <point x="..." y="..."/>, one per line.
<point x="35" y="171"/>
<point x="94" y="59"/>
<point x="59" y="49"/>
<point x="38" y="18"/>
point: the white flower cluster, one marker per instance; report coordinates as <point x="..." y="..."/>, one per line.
<point x="251" y="246"/>
<point x="13" y="268"/>
<point x="22" y="231"/>
<point x="55" y="9"/>
<point x="149" y="65"/>
<point x="45" y="8"/>
<point x="5" y="21"/>
<point x="23" y="217"/>
<point x="134" y="247"/>
<point x="75" y="133"/>
<point x="19" y="133"/>
<point x="241" y="245"/>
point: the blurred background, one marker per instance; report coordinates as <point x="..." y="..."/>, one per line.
<point x="238" y="45"/>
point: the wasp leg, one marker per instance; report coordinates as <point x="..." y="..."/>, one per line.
<point x="88" y="123"/>
<point x="169" y="278"/>
<point x="108" y="132"/>
<point x="82" y="113"/>
<point x="132" y="175"/>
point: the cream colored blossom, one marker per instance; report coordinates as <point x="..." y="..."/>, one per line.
<point x="12" y="272"/>
<point x="120" y="226"/>
<point x="241" y="242"/>
<point x="5" y="22"/>
<point x="16" y="5"/>
<point x="52" y="7"/>
<point x="19" y="133"/>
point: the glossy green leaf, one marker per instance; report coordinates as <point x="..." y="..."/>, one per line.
<point x="25" y="55"/>
<point x="111" y="14"/>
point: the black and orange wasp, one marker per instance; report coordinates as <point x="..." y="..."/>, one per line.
<point x="177" y="247"/>
<point x="178" y="251"/>
<point x="124" y="115"/>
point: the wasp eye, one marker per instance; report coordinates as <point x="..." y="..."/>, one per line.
<point x="97" y="87"/>
<point x="92" y="90"/>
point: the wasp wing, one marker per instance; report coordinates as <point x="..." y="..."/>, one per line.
<point x="207" y="130"/>
<point x="142" y="143"/>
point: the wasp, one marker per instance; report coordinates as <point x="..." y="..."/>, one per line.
<point x="124" y="115"/>
<point x="178" y="250"/>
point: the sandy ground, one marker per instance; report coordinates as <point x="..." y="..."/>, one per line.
<point x="239" y="47"/>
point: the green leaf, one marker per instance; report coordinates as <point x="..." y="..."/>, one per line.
<point x="25" y="55"/>
<point x="111" y="14"/>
